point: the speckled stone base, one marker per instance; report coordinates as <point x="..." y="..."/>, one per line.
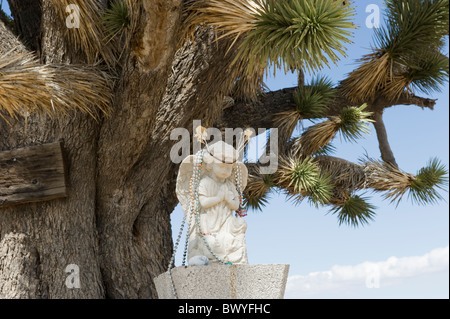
<point x="225" y="282"/>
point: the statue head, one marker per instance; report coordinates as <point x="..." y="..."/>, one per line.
<point x="220" y="159"/>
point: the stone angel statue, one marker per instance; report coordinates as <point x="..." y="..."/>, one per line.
<point x="209" y="187"/>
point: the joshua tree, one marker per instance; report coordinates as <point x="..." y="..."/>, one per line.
<point x="114" y="86"/>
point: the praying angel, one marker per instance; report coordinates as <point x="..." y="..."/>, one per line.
<point x="213" y="203"/>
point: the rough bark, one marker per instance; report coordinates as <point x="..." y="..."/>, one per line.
<point x="54" y="234"/>
<point x="115" y="222"/>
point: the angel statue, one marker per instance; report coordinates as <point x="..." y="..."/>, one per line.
<point x="209" y="188"/>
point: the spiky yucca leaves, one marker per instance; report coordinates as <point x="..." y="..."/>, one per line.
<point x="321" y="192"/>
<point x="354" y="210"/>
<point x="424" y="188"/>
<point x="292" y="34"/>
<point x="351" y="123"/>
<point x="311" y="101"/>
<point x="89" y="36"/>
<point x="325" y="180"/>
<point x="428" y="72"/>
<point x="258" y="189"/>
<point x="299" y="34"/>
<point x="26" y="86"/>
<point x="407" y="52"/>
<point x="116" y="20"/>
<point x="298" y="175"/>
<point x="421" y="188"/>
<point x="302" y="178"/>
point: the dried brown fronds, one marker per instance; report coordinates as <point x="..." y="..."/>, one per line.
<point x="377" y="74"/>
<point x="363" y="83"/>
<point x="286" y="122"/>
<point x="85" y="31"/>
<point x="232" y="18"/>
<point x="317" y="136"/>
<point x="29" y="87"/>
<point x="344" y="174"/>
<point x="385" y="177"/>
<point x="258" y="188"/>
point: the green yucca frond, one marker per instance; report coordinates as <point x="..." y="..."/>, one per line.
<point x="421" y="188"/>
<point x="304" y="175"/>
<point x="354" y="211"/>
<point x="428" y="72"/>
<point x="302" y="178"/>
<point x="407" y="52"/>
<point x="116" y="19"/>
<point x="424" y="188"/>
<point x="299" y="34"/>
<point x="321" y="192"/>
<point x="353" y="122"/>
<point x="290" y="34"/>
<point x="313" y="100"/>
<point x="413" y="25"/>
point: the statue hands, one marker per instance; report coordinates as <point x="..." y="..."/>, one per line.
<point x="224" y="194"/>
<point x="231" y="199"/>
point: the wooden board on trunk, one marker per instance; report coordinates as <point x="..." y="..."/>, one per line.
<point x="32" y="174"/>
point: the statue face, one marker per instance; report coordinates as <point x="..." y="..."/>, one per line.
<point x="222" y="170"/>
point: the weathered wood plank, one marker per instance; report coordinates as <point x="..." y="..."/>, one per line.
<point x="32" y="174"/>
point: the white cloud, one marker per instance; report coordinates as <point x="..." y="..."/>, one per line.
<point x="366" y="275"/>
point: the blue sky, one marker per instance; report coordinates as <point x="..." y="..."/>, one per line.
<point x="404" y="250"/>
<point x="312" y="242"/>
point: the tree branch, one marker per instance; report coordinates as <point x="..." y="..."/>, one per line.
<point x="27" y="20"/>
<point x="386" y="152"/>
<point x="406" y="99"/>
<point x="261" y="113"/>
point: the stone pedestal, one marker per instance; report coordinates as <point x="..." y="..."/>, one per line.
<point x="225" y="282"/>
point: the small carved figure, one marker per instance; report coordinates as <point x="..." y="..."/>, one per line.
<point x="209" y="187"/>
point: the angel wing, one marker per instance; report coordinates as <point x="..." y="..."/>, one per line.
<point x="182" y="189"/>
<point x="183" y="179"/>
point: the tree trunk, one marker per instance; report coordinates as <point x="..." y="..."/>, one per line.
<point x="114" y="226"/>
